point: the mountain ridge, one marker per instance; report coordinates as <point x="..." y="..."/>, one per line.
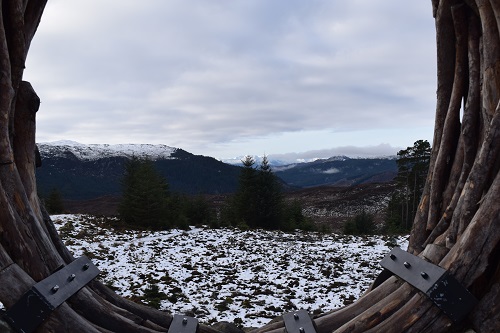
<point x="97" y="151"/>
<point x="81" y="171"/>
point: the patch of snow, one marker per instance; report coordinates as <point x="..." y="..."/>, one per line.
<point x="90" y="152"/>
<point x="229" y="274"/>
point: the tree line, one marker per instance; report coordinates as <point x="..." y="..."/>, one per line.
<point x="258" y="202"/>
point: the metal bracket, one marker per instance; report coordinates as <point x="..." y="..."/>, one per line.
<point x="183" y="324"/>
<point x="440" y="286"/>
<point x="45" y="296"/>
<point x="298" y="322"/>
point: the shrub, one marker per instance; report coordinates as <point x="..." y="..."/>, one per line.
<point x="361" y="224"/>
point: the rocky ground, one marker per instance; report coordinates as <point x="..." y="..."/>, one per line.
<point x="244" y="277"/>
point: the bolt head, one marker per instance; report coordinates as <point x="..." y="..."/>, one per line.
<point x="424" y="275"/>
<point x="392" y="256"/>
<point x="296" y="316"/>
<point x="407" y="264"/>
<point x="55" y="288"/>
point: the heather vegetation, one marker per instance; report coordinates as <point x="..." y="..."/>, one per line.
<point x="361" y="224"/>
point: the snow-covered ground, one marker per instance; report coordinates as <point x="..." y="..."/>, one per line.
<point x="246" y="277"/>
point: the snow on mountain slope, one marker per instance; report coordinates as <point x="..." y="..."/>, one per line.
<point x="90" y="152"/>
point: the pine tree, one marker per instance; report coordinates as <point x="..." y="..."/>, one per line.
<point x="145" y="195"/>
<point x="259" y="201"/>
<point x="54" y="203"/>
<point x="413" y="164"/>
<point x="245" y="200"/>
<point x="269" y="197"/>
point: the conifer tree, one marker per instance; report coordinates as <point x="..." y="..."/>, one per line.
<point x="269" y="197"/>
<point x="145" y="195"/>
<point x="413" y="165"/>
<point x="245" y="200"/>
<point x="54" y="203"/>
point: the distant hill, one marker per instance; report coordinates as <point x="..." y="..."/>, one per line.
<point x="89" y="171"/>
<point x="338" y="171"/>
<point x="83" y="172"/>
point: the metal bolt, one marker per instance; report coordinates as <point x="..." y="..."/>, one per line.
<point x="72" y="277"/>
<point x="392" y="256"/>
<point x="55" y="288"/>
<point x="86" y="266"/>
<point x="407" y="264"/>
<point x="184" y="321"/>
<point x="296" y="316"/>
<point x="424" y="275"/>
<point x="302" y="330"/>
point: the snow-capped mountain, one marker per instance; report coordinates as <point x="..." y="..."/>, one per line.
<point x="82" y="171"/>
<point x="91" y="152"/>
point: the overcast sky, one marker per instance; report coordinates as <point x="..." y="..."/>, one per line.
<point x="226" y="78"/>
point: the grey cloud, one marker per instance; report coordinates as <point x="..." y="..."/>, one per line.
<point x="381" y="150"/>
<point x="198" y="72"/>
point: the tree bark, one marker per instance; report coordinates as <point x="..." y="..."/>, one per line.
<point x="456" y="225"/>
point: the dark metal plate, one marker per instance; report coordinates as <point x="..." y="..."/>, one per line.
<point x="452" y="298"/>
<point x="441" y="287"/>
<point x="419" y="273"/>
<point x="38" y="302"/>
<point x="58" y="287"/>
<point x="29" y="312"/>
<point x="183" y="324"/>
<point x="298" y="322"/>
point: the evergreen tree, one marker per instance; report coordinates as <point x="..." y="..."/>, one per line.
<point x="145" y="195"/>
<point x="245" y="201"/>
<point x="413" y="164"/>
<point x="54" y="203"/>
<point x="269" y="197"/>
<point x="259" y="201"/>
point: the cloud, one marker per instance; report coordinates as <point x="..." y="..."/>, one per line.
<point x="203" y="74"/>
<point x="381" y="150"/>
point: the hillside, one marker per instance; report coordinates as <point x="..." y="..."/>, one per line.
<point x="339" y="171"/>
<point x="82" y="172"/>
<point x="333" y="205"/>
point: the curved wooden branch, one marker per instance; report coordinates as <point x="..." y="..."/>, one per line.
<point x="456" y="225"/>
